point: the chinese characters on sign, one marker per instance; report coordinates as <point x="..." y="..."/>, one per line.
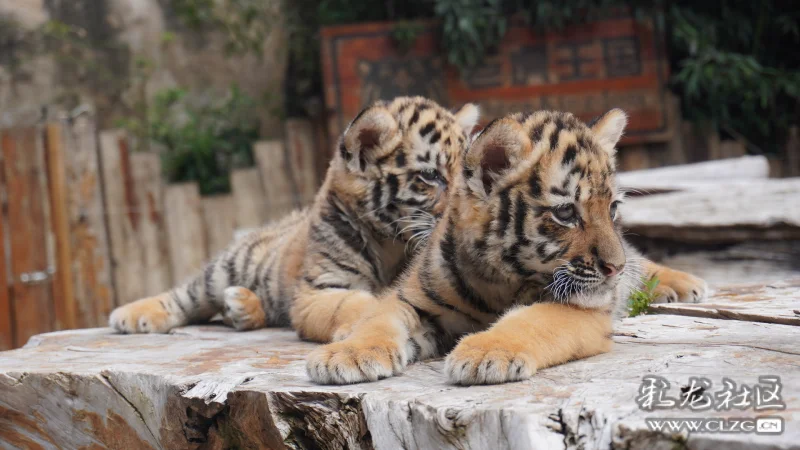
<point x="697" y="395"/>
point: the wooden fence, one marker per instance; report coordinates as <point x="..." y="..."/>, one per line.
<point x="88" y="224"/>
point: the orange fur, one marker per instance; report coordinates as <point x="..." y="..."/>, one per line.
<point x="527" y="339"/>
<point x="375" y="349"/>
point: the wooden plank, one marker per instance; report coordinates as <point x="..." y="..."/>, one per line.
<point x="750" y="262"/>
<point x="184" y="219"/>
<point x="219" y="221"/>
<point x="723" y="212"/>
<point x="279" y="188"/>
<point x="149" y="189"/>
<point x="634" y="157"/>
<point x="28" y="221"/>
<point x="694" y="144"/>
<point x="776" y="302"/>
<point x="732" y="148"/>
<point x="91" y="258"/>
<point x="63" y="293"/>
<point x="255" y="385"/>
<point x="792" y="153"/>
<point x="134" y="202"/>
<point x="300" y="142"/>
<point x="713" y="143"/>
<point x="698" y="174"/>
<point x="675" y="147"/>
<point x="324" y="148"/>
<point x="6" y="311"/>
<point x="248" y="197"/>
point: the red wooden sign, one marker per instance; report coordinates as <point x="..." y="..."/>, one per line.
<point x="586" y="69"/>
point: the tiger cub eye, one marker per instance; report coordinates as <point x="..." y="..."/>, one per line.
<point x="564" y="213"/>
<point x="614" y="206"/>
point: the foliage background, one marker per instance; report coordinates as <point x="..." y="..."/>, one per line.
<point x="734" y="63"/>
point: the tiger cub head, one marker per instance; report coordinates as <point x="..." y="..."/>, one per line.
<point x="539" y="197"/>
<point x="397" y="159"/>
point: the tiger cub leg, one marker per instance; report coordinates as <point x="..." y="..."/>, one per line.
<point x="674" y="285"/>
<point x="527" y="339"/>
<point x="379" y="346"/>
<point x="329" y="314"/>
<point x="243" y="309"/>
<point x="163" y="312"/>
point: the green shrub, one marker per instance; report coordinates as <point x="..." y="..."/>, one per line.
<point x="640" y="299"/>
<point x="734" y="63"/>
<point x="200" y="136"/>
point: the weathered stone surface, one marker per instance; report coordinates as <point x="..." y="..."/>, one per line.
<point x="719" y="212"/>
<point x="210" y="387"/>
<point x="774" y="303"/>
<point x="698" y="175"/>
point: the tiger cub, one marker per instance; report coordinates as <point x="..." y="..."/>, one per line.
<point x="319" y="269"/>
<point x="525" y="270"/>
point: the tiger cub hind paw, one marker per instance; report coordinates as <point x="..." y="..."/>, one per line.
<point x="675" y="286"/>
<point x="356" y="361"/>
<point x="147" y="315"/>
<point x="243" y="309"/>
<point x="477" y="360"/>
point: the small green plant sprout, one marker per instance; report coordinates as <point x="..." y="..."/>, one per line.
<point x="641" y="299"/>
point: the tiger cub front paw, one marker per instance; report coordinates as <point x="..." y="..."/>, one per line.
<point x="147" y="315"/>
<point x="482" y="359"/>
<point x="355" y="361"/>
<point x="675" y="286"/>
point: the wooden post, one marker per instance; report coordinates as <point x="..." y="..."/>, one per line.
<point x="279" y="189"/>
<point x="675" y="147"/>
<point x="713" y="143"/>
<point x="133" y="191"/>
<point x="6" y="324"/>
<point x="732" y="148"/>
<point x="90" y="265"/>
<point x="324" y="146"/>
<point x="184" y="218"/>
<point x="149" y="189"/>
<point x="219" y="220"/>
<point x="63" y="294"/>
<point x="792" y="151"/>
<point x="694" y="147"/>
<point x="28" y="220"/>
<point x="300" y="141"/>
<point x="248" y="197"/>
<point x="634" y="157"/>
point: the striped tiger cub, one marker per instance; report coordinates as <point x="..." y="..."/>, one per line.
<point x="526" y="268"/>
<point x="320" y="269"/>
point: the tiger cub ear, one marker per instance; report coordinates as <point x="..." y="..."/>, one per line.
<point x="499" y="148"/>
<point x="371" y="135"/>
<point x="467" y="117"/>
<point x="608" y="129"/>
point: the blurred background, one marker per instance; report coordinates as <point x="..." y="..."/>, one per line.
<point x="137" y="136"/>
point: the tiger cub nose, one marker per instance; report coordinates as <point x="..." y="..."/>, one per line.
<point x="611" y="270"/>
